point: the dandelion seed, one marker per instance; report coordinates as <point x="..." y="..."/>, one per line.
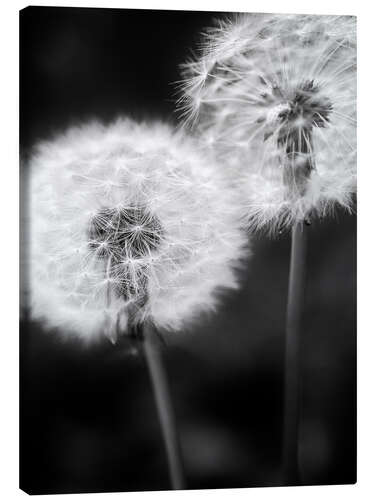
<point x="276" y="95"/>
<point x="107" y="246"/>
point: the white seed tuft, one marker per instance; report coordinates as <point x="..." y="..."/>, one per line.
<point x="275" y="98"/>
<point x="128" y="222"/>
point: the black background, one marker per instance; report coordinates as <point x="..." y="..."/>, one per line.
<point x="88" y="421"/>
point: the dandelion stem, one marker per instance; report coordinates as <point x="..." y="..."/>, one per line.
<point x="297" y="282"/>
<point x="164" y="406"/>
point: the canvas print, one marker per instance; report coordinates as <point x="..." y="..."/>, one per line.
<point x="188" y="239"/>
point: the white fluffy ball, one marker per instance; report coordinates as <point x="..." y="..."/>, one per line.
<point x="128" y="221"/>
<point x="275" y="98"/>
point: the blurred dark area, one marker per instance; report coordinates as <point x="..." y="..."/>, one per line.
<point x="88" y="420"/>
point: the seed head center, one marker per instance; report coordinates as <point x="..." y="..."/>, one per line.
<point x="123" y="238"/>
<point x="295" y="117"/>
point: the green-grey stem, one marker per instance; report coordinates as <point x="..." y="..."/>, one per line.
<point x="296" y="292"/>
<point x="160" y="386"/>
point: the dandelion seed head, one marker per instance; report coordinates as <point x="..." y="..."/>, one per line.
<point x="128" y="222"/>
<point x="278" y="104"/>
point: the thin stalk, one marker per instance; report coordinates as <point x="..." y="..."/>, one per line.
<point x="296" y="292"/>
<point x="164" y="405"/>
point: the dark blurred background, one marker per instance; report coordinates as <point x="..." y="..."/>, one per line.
<point x="88" y="421"/>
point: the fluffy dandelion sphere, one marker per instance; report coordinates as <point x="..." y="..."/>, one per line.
<point x="128" y="222"/>
<point x="275" y="97"/>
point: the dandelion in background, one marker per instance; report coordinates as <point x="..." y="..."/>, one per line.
<point x="274" y="97"/>
<point x="131" y="228"/>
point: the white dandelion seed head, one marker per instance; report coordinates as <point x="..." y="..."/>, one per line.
<point x="276" y="94"/>
<point x="128" y="222"/>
